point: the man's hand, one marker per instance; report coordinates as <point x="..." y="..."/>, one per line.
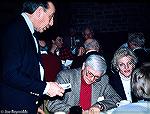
<point x="40" y="111"/>
<point x="55" y="89"/>
<point x="81" y="51"/>
<point x="53" y="48"/>
<point x="94" y="110"/>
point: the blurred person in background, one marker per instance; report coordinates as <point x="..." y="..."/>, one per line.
<point x="43" y="46"/>
<point x="51" y="61"/>
<point x="73" y="41"/>
<point x="58" y="48"/>
<point x="136" y="42"/>
<point x="88" y="33"/>
<point x="91" y="46"/>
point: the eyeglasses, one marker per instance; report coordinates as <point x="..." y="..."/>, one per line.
<point x="91" y="75"/>
<point x="49" y="16"/>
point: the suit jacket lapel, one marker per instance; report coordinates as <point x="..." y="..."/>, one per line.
<point x="28" y="32"/>
<point x="30" y="38"/>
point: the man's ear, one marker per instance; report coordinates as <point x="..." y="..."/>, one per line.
<point x="39" y="12"/>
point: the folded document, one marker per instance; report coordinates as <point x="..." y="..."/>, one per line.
<point x="66" y="86"/>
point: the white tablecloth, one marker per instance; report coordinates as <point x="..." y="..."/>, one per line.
<point x="132" y="108"/>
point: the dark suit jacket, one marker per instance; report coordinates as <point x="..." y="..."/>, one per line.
<point x="21" y="84"/>
<point x="116" y="83"/>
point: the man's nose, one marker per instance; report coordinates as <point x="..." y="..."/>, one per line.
<point x="126" y="66"/>
<point x="92" y="78"/>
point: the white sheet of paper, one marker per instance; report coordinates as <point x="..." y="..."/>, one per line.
<point x="66" y="86"/>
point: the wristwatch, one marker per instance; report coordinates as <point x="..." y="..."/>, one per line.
<point x="100" y="106"/>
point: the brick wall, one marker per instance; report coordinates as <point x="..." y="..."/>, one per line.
<point x="111" y="20"/>
<point x="111" y="17"/>
<point x="103" y="16"/>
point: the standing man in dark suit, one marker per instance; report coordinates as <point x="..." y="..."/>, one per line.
<point x="22" y="74"/>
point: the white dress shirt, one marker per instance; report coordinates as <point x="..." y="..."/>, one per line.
<point x="127" y="86"/>
<point x="30" y="25"/>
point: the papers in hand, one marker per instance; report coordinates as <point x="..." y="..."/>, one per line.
<point x="66" y="86"/>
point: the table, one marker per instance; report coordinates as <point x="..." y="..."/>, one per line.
<point x="132" y="108"/>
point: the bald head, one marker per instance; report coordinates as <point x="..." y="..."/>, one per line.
<point x="91" y="44"/>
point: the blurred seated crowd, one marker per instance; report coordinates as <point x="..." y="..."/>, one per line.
<point x="96" y="84"/>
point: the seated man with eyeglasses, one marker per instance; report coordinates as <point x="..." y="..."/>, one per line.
<point x="89" y="88"/>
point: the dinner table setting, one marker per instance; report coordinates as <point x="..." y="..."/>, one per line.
<point x="126" y="107"/>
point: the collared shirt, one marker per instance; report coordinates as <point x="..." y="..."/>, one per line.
<point x="127" y="86"/>
<point x="90" y="51"/>
<point x="30" y="25"/>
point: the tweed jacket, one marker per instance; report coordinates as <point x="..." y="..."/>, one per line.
<point x="100" y="89"/>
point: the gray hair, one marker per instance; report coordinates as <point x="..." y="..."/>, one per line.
<point x="136" y="38"/>
<point x="139" y="76"/>
<point x="120" y="53"/>
<point x="92" y="45"/>
<point x="97" y="63"/>
<point x="141" y="71"/>
<point x="30" y="6"/>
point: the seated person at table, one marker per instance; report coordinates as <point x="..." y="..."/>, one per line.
<point x="135" y="40"/>
<point x="91" y="46"/>
<point x="123" y="63"/>
<point x="89" y="88"/>
<point x="141" y="82"/>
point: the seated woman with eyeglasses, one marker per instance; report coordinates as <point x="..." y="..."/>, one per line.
<point x="89" y="88"/>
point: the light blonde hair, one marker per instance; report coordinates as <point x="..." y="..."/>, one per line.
<point x="120" y="53"/>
